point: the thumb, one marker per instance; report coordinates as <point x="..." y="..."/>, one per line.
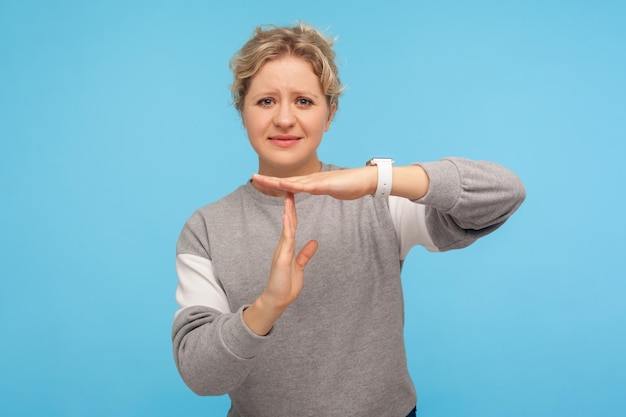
<point x="306" y="253"/>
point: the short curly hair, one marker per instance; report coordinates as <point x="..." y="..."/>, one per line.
<point x="273" y="42"/>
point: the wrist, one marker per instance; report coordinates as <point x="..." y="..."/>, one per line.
<point x="410" y="182"/>
<point x="261" y="315"/>
<point x="385" y="176"/>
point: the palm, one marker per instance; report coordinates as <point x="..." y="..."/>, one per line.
<point x="287" y="271"/>
<point x="345" y="184"/>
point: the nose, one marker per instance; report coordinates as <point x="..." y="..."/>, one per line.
<point x="284" y="116"/>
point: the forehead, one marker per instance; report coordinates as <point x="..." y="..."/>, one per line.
<point x="287" y="72"/>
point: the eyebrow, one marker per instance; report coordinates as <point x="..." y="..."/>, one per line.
<point x="271" y="93"/>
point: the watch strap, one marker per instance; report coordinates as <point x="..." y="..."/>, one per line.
<point x="385" y="176"/>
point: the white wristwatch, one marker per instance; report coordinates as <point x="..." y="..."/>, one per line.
<point x="385" y="175"/>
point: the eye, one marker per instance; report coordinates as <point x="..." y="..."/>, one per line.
<point x="265" y="102"/>
<point x="304" y="102"/>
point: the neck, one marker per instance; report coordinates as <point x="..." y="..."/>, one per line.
<point x="299" y="170"/>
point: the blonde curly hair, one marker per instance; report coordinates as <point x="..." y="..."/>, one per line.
<point x="273" y="42"/>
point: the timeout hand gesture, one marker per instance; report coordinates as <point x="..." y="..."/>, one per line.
<point x="286" y="275"/>
<point x="287" y="272"/>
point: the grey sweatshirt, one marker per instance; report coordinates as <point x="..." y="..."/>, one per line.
<point x="338" y="350"/>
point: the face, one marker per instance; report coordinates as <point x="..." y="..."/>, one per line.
<point x="285" y="113"/>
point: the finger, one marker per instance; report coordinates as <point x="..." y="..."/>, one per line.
<point x="266" y="181"/>
<point x="287" y="244"/>
<point x="317" y="183"/>
<point x="306" y="253"/>
<point x="290" y="211"/>
<point x="292" y="184"/>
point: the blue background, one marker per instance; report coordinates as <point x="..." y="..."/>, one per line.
<point x="116" y="124"/>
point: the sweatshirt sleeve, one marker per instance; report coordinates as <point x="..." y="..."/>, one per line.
<point x="213" y="351"/>
<point x="213" y="348"/>
<point x="468" y="199"/>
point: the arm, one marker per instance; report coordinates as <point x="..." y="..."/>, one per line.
<point x="463" y="199"/>
<point x="468" y="199"/>
<point x="286" y="275"/>
<point x="214" y="349"/>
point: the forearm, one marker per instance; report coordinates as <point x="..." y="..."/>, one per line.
<point x="260" y="316"/>
<point x="213" y="351"/>
<point x="410" y="182"/>
<point x="468" y="199"/>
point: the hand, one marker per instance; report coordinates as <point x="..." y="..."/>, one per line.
<point x="286" y="275"/>
<point x="344" y="184"/>
<point x="409" y="181"/>
<point x="287" y="272"/>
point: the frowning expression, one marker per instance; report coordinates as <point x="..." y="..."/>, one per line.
<point x="286" y="114"/>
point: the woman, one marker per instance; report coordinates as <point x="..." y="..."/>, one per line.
<point x="331" y="344"/>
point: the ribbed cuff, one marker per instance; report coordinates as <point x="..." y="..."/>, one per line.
<point x="239" y="339"/>
<point x="444" y="184"/>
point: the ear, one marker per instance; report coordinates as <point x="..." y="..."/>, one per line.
<point x="331" y="115"/>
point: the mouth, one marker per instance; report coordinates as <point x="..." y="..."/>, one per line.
<point x="284" y="141"/>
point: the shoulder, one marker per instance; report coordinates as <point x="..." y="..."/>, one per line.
<point x="223" y="204"/>
<point x="194" y="236"/>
